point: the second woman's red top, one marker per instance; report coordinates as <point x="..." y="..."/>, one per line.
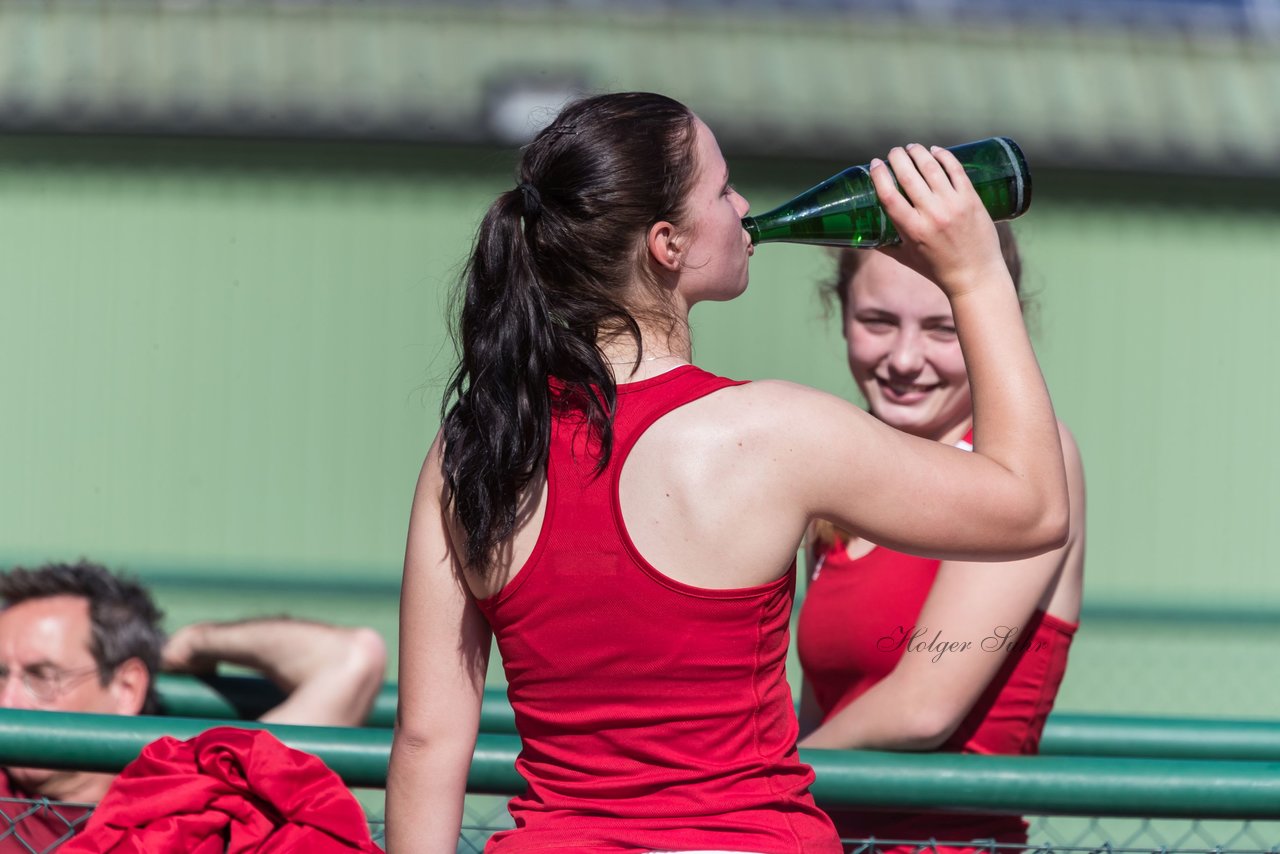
<point x="860" y="616"/>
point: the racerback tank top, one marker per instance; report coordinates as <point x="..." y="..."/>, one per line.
<point x="654" y="715"/>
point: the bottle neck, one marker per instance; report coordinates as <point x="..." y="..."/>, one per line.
<point x="753" y="230"/>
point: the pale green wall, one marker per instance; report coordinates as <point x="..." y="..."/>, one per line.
<point x="221" y="365"/>
<point x="225" y="357"/>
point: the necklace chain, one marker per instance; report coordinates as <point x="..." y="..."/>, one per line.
<point x="646" y="359"/>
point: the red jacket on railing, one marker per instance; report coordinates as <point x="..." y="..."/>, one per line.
<point x="226" y="790"/>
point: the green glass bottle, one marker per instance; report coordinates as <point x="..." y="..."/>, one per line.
<point x="844" y="211"/>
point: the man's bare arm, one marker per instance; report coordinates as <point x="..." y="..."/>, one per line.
<point x="330" y="674"/>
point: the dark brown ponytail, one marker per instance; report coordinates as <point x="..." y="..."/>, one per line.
<point x="548" y="275"/>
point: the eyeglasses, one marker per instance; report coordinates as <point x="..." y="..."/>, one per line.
<point x="46" y="683"/>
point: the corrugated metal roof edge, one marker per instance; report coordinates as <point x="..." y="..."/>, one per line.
<point x="1122" y="100"/>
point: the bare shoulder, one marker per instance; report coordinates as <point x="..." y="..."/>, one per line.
<point x="750" y="428"/>
<point x="741" y="460"/>
<point x="778" y="405"/>
<point x="774" y="422"/>
<point x="431" y="476"/>
<point x="431" y="494"/>
<point x="784" y="392"/>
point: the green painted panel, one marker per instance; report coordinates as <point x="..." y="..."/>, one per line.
<point x="231" y="354"/>
<point x="226" y="357"/>
<point x="220" y="363"/>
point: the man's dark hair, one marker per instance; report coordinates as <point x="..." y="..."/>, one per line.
<point x="124" y="621"/>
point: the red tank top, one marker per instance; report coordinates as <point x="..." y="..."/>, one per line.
<point x="859" y="617"/>
<point x="654" y="715"/>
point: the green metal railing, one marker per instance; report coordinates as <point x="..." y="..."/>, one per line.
<point x="1201" y="794"/>
<point x="109" y="742"/>
<point x="1051" y="785"/>
<point x="1161" y="737"/>
<point x="248" y="697"/>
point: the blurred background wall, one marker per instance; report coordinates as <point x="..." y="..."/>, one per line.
<point x="228" y="231"/>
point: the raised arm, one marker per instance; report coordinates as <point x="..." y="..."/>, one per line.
<point x="330" y="674"/>
<point x="922" y="701"/>
<point x="1008" y="499"/>
<point x="444" y="653"/>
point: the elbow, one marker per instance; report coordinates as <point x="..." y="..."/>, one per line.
<point x="1056" y="496"/>
<point x="1058" y="523"/>
<point x="365" y="666"/>
<point x="928" y="717"/>
<point x="1045" y="524"/>
<point x="416" y="734"/>
<point x="1055" y="526"/>
<point x="929" y="727"/>
<point x="417" y="738"/>
<point x="367" y="652"/>
<point x="409" y="739"/>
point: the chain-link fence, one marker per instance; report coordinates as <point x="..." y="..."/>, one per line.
<point x="41" y="826"/>
<point x="484" y="815"/>
<point x="1066" y="833"/>
<point x="1101" y="835"/>
<point x="38" y="826"/>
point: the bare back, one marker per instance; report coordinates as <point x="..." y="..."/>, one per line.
<point x="695" y="499"/>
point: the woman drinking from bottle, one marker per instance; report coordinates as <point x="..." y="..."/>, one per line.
<point x="625" y="523"/>
<point x="909" y="653"/>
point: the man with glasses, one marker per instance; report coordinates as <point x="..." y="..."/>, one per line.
<point x="79" y="638"/>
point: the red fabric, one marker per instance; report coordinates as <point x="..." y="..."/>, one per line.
<point x="853" y="622"/>
<point x="226" y="790"/>
<point x="38" y="827"/>
<point x="654" y="715"/>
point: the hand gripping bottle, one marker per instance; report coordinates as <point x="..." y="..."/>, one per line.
<point x="844" y="210"/>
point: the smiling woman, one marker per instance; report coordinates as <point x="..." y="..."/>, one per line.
<point x="902" y="344"/>
<point x="911" y="653"/>
<point x="904" y="353"/>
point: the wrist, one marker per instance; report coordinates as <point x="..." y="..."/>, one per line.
<point x="989" y="279"/>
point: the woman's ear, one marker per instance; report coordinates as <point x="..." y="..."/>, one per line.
<point x="665" y="246"/>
